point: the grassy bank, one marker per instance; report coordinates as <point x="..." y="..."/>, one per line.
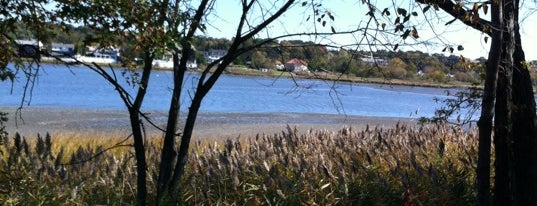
<point x="376" y="166"/>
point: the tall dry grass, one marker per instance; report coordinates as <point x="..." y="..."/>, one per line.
<point x="426" y="165"/>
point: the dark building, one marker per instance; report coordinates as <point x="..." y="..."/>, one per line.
<point x="29" y="48"/>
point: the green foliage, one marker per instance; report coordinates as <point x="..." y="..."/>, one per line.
<point x="6" y="55"/>
<point x="259" y="60"/>
<point x="342" y="63"/>
<point x="396" y="68"/>
<point x="3" y="131"/>
<point x="437" y="76"/>
<point x="21" y="20"/>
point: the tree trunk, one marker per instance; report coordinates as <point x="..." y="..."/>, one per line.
<point x="203" y="88"/>
<point x="137" y="133"/>
<point x="524" y="136"/>
<point x="168" y="183"/>
<point x="516" y="153"/>
<point x="169" y="155"/>
<point x="165" y="184"/>
<point x="524" y="121"/>
<point x="139" y="151"/>
<point x="502" y="131"/>
<point x="506" y="180"/>
<point x="487" y="110"/>
<point x="185" y="142"/>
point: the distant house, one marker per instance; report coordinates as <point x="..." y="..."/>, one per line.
<point x="163" y="63"/>
<point x="212" y="55"/>
<point x="279" y="66"/>
<point x="420" y="73"/>
<point x="371" y="61"/>
<point x="108" y="55"/>
<point x="29" y="48"/>
<point x="109" y="52"/>
<point x="168" y="63"/>
<point x="192" y="64"/>
<point x="296" y="65"/>
<point x="60" y="49"/>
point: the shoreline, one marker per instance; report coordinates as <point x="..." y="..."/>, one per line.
<point x="208" y="124"/>
<point x="235" y="70"/>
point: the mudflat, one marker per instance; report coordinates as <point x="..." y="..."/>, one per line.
<point x="29" y="121"/>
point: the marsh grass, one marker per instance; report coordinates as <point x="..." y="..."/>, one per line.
<point x="426" y="165"/>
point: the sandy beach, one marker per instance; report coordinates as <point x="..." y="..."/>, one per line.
<point x="30" y="121"/>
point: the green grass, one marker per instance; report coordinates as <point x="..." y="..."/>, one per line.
<point x="377" y="166"/>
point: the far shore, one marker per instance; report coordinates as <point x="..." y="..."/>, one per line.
<point x="30" y="120"/>
<point x="245" y="71"/>
<point x="346" y="78"/>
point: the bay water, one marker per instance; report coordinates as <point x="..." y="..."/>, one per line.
<point x="77" y="87"/>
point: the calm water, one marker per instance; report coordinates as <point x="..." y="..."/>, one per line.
<point x="78" y="87"/>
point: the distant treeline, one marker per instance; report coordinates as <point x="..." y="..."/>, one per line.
<point x="320" y="58"/>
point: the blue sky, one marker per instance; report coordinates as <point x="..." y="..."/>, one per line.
<point x="350" y="14"/>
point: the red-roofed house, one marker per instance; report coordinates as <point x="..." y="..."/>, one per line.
<point x="296" y="65"/>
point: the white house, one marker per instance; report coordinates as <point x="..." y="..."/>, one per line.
<point x="108" y="55"/>
<point x="212" y="55"/>
<point x="60" y="49"/>
<point x="296" y="65"/>
<point x="370" y="60"/>
<point x="279" y="66"/>
<point x="168" y="64"/>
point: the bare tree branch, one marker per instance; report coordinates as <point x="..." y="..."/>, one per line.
<point x="461" y="14"/>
